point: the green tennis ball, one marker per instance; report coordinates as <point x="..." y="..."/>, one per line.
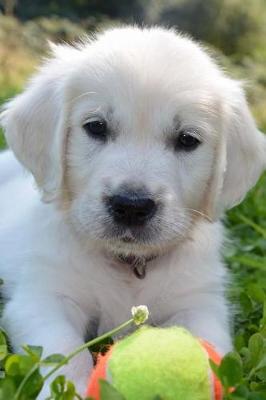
<point x="165" y="362"/>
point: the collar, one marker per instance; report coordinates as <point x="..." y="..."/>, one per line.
<point x="137" y="264"/>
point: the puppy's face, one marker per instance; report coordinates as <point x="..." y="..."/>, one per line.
<point x="140" y="153"/>
<point x="143" y="130"/>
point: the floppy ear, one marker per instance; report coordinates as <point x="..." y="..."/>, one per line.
<point x="34" y="124"/>
<point x="241" y="155"/>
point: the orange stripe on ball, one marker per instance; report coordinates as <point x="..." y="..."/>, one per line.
<point x="216" y="358"/>
<point x="98" y="373"/>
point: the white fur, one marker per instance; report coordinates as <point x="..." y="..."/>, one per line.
<point x="58" y="259"/>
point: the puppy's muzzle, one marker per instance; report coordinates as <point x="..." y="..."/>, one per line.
<point x="131" y="209"/>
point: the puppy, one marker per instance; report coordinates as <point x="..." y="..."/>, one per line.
<point x="137" y="143"/>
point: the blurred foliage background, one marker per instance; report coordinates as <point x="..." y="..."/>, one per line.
<point x="233" y="30"/>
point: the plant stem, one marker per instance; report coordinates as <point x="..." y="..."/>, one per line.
<point x="86" y="346"/>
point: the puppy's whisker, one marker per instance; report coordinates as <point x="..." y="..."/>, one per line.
<point x="202" y="214"/>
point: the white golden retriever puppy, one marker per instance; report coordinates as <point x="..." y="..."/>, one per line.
<point x="137" y="143"/>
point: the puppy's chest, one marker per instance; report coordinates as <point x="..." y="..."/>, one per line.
<point x="109" y="293"/>
<point x="118" y="299"/>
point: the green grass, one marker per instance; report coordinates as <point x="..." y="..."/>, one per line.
<point x="246" y="254"/>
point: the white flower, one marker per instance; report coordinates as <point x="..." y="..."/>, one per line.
<point x="140" y="314"/>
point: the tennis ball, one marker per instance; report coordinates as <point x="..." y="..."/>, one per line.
<point x="166" y="362"/>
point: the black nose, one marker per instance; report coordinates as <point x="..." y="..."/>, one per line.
<point x="131" y="210"/>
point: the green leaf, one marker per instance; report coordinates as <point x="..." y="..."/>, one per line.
<point x="256" y="293"/>
<point x="246" y="358"/>
<point x="18" y="365"/>
<point x="58" y="385"/>
<point x="7" y="389"/>
<point x="239" y="342"/>
<point x="61" y="389"/>
<point x="261" y="373"/>
<point x="34" y="351"/>
<point x="3" y="346"/>
<point x="33" y="386"/>
<point x="214" y="367"/>
<point x="231" y="370"/>
<point x="108" y="392"/>
<point x="257" y="396"/>
<point x="240" y="392"/>
<point x="255" y="346"/>
<point x="53" y="359"/>
<point x="3" y="351"/>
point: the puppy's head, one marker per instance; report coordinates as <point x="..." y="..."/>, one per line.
<point x="137" y="133"/>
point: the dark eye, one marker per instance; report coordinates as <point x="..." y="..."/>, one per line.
<point x="186" y="141"/>
<point x="96" y="129"/>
